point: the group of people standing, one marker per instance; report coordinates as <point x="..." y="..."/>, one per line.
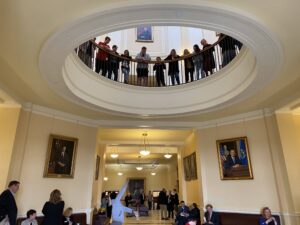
<point x="53" y="210"/>
<point x="200" y="62"/>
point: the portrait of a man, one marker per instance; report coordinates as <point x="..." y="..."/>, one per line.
<point x="144" y="34"/>
<point x="234" y="159"/>
<point x="60" y="161"/>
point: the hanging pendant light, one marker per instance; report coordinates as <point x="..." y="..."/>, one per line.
<point x="145" y="151"/>
<point x="168" y="156"/>
<point x="139" y="167"/>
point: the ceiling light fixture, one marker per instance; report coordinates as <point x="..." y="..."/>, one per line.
<point x="105" y="178"/>
<point x="120" y="174"/>
<point x="139" y="168"/>
<point x="145" y="151"/>
<point x="114" y="155"/>
<point x="153" y="174"/>
<point x="168" y="156"/>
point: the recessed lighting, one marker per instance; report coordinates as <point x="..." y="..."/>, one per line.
<point x="120" y="174"/>
<point x="153" y="174"/>
<point x="105" y="178"/>
<point x="168" y="156"/>
<point x="144" y="152"/>
<point x="139" y="168"/>
<point x="114" y="155"/>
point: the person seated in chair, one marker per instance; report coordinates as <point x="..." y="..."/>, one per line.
<point x="195" y="214"/>
<point x="210" y="217"/>
<point x="182" y="214"/>
<point x="31" y="218"/>
<point x="267" y="218"/>
<point x="67" y="217"/>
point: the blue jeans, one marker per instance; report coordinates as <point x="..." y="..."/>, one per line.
<point x="175" y="76"/>
<point x="125" y="71"/>
<point x="198" y="69"/>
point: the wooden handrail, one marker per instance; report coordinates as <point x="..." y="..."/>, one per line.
<point x="162" y="61"/>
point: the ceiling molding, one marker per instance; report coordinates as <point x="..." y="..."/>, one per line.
<point x="246" y="76"/>
<point x="41" y="110"/>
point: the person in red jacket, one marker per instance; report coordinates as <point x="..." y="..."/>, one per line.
<point x="102" y="57"/>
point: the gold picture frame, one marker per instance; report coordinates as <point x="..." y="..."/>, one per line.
<point x="61" y="157"/>
<point x="234" y="159"/>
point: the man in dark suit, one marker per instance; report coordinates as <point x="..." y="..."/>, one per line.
<point x="182" y="214"/>
<point x="210" y="217"/>
<point x="8" y="206"/>
<point x="232" y="160"/>
<point x="62" y="162"/>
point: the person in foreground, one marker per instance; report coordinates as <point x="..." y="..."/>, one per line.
<point x="182" y="214"/>
<point x="118" y="209"/>
<point x="8" y="206"/>
<point x="210" y="217"/>
<point x="31" y="218"/>
<point x="267" y="218"/>
<point x="195" y="214"/>
<point x="67" y="217"/>
<point x="53" y="209"/>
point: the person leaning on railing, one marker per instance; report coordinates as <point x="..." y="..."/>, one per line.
<point x="198" y="62"/>
<point x="142" y="67"/>
<point x="159" y="68"/>
<point x="208" y="57"/>
<point x="102" y="57"/>
<point x="113" y="63"/>
<point x="173" y="67"/>
<point x="189" y="67"/>
<point x="90" y="53"/>
<point x="126" y="66"/>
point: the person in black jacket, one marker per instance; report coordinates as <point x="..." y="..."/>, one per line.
<point x="189" y="67"/>
<point x="227" y="45"/>
<point x="159" y="68"/>
<point x="53" y="209"/>
<point x="208" y="57"/>
<point x="170" y="206"/>
<point x="174" y="67"/>
<point x="67" y="217"/>
<point x="195" y="214"/>
<point x="163" y="201"/>
<point x="210" y="217"/>
<point x="113" y="63"/>
<point x="8" y="206"/>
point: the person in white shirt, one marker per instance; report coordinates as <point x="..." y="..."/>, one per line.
<point x="31" y="218"/>
<point x="142" y="67"/>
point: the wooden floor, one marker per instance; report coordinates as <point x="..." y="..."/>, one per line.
<point x="152" y="219"/>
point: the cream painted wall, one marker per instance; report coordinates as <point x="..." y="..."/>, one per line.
<point x="165" y="39"/>
<point x="193" y="187"/>
<point x="98" y="184"/>
<point x="8" y="120"/>
<point x="29" y="156"/>
<point x="239" y="195"/>
<point x="289" y="129"/>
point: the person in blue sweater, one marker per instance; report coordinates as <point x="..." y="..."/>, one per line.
<point x="267" y="218"/>
<point x="118" y="209"/>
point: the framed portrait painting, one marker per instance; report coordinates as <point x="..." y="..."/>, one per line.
<point x="234" y="159"/>
<point x="61" y="157"/>
<point x="97" y="167"/>
<point x="144" y="33"/>
<point x="190" y="167"/>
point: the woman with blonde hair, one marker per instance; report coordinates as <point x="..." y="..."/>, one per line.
<point x="53" y="209"/>
<point x="67" y="217"/>
<point x="267" y="218"/>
